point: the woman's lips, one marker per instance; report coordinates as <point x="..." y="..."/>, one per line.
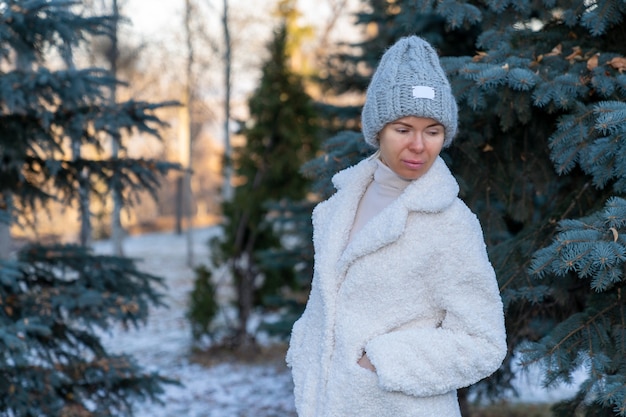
<point x="412" y="164"/>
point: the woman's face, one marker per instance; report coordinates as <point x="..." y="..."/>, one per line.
<point x="410" y="145"/>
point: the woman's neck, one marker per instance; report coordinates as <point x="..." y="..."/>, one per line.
<point x="386" y="178"/>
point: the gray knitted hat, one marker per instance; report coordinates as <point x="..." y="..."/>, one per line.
<point x="409" y="81"/>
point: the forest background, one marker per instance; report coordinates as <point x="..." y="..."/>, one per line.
<point x="539" y="158"/>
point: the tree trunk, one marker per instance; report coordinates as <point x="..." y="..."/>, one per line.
<point x="185" y="123"/>
<point x="244" y="302"/>
<point x="179" y="205"/>
<point x="117" y="233"/>
<point x="242" y="341"/>
<point x="244" y="273"/>
<point x="5" y="241"/>
<point x="83" y="177"/>
<point x="463" y="402"/>
<point x="85" y="214"/>
<point x="227" y="189"/>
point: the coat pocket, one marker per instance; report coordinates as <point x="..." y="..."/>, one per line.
<point x="354" y="391"/>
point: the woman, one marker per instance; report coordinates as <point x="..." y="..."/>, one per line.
<point x="404" y="306"/>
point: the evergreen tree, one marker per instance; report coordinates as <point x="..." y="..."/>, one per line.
<point x="541" y="91"/>
<point x="280" y="137"/>
<point x="350" y="69"/>
<point x="539" y="107"/>
<point x="55" y="300"/>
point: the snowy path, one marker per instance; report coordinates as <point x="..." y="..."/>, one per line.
<point x="226" y="389"/>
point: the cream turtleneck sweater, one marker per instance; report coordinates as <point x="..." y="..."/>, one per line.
<point x="385" y="188"/>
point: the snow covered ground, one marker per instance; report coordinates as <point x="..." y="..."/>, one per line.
<point x="226" y="389"/>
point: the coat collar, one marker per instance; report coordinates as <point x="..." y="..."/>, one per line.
<point x="433" y="192"/>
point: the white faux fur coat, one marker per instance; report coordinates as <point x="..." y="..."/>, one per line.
<point x="414" y="289"/>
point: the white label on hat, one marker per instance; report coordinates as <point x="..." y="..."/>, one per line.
<point x="422" y="91"/>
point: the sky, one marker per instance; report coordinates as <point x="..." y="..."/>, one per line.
<point x="154" y="20"/>
<point x="148" y="17"/>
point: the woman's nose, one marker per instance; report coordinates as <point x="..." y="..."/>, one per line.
<point x="417" y="143"/>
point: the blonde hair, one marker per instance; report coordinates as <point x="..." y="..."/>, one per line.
<point x="375" y="155"/>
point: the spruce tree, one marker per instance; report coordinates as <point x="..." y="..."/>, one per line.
<point x="279" y="137"/>
<point x="539" y="158"/>
<point x="56" y="300"/>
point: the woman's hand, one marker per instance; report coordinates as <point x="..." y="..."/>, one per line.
<point x="364" y="362"/>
